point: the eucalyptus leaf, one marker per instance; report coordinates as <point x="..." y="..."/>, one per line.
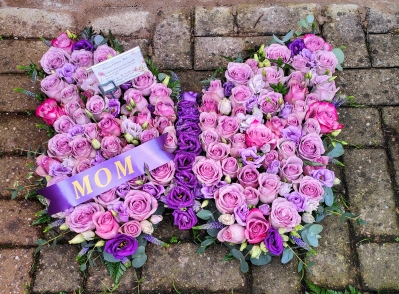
<point x="288" y="36"/>
<point x="159" y="210"/>
<point x="303" y="23"/>
<point x="142" y="240"/>
<point x="300" y="266"/>
<point x="139" y="261"/>
<point x="315" y="229"/>
<point x="262" y="260"/>
<point x="310" y="18"/>
<point x="237" y="254"/>
<point x="204" y="214"/>
<point x="313" y="241"/>
<point x="244" y="267"/>
<point x="98" y="39"/>
<point x="213" y="232"/>
<point x="339" y="54"/>
<point x="161" y="76"/>
<point x="110" y="257"/>
<point x="337" y="151"/>
<point x="139" y="252"/>
<point x="287" y="255"/>
<point x="328" y="196"/>
<point x="278" y="40"/>
<point x="83" y="267"/>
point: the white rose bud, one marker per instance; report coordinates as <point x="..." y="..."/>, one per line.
<point x="263" y="247"/>
<point x="100" y="243"/>
<point x="255" y="252"/>
<point x="336" y="181"/>
<point x="224" y="106"/>
<point x="88" y="235"/>
<point x="227" y="219"/>
<point x="204" y="203"/>
<point x="308" y="218"/>
<point x="146" y="227"/>
<point x="64" y="227"/>
<point x="243" y="246"/>
<point x="155" y="219"/>
<point x="77" y="239"/>
<point x="96" y="144"/>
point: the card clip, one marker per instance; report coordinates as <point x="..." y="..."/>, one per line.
<point x="111" y="89"/>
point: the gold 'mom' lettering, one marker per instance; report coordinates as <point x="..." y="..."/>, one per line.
<point x="79" y="188"/>
<point x="122" y="169"/>
<point x="97" y="179"/>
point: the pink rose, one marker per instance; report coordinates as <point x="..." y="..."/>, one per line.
<point x="69" y="93"/>
<point x="148" y="135"/>
<point x="323" y="160"/>
<point x="161" y="123"/>
<point x="232" y="234"/>
<point x="49" y="111"/>
<point x="228" y="197"/>
<point x="81" y="165"/>
<point x="72" y="106"/>
<point x="106" y="226"/>
<point x="326" y="61"/>
<point x="82" y="58"/>
<point x="52" y="86"/>
<point x="311" y="125"/>
<point x="80" y="75"/>
<point x="207" y="171"/>
<point x="96" y="105"/>
<point x="286" y="148"/>
<point x="310" y="188"/>
<point x="311" y="98"/>
<point x="63" y="42"/>
<point x="132" y="229"/>
<point x="208" y="136"/>
<point x="300" y="63"/>
<point x="272" y="75"/>
<point x="284" y="214"/>
<point x="144" y="83"/>
<point x="43" y="163"/>
<point x="164" y="174"/>
<point x="291" y="169"/>
<point x="109" y="125"/>
<point x="237" y="143"/>
<point x="311" y="147"/>
<point x="251" y="196"/>
<point x="270" y="157"/>
<point x="241" y="94"/>
<point x="159" y="91"/>
<point x="165" y="109"/>
<point x="259" y="135"/>
<point x="237" y="109"/>
<point x="80" y="117"/>
<point x="63" y="124"/>
<point x="276" y="124"/>
<point x="58" y="146"/>
<point x="216" y="87"/>
<point x="137" y="97"/>
<point x="230" y="167"/>
<point x="313" y="42"/>
<point x="269" y="186"/>
<point x="171" y="142"/>
<point x="325" y="89"/>
<point x="210" y="103"/>
<point x="300" y="108"/>
<point x="270" y="102"/>
<point x="276" y="51"/>
<point x="111" y="146"/>
<point x="294" y="120"/>
<point x="102" y="53"/>
<point x="256" y="226"/>
<point x="252" y="63"/>
<point x="143" y="117"/>
<point x="140" y="205"/>
<point x="218" y="151"/>
<point x="228" y="126"/>
<point x="248" y="176"/>
<point x="81" y="218"/>
<point x="53" y="59"/>
<point x="81" y="148"/>
<point x="238" y="73"/>
<point x="297" y="91"/>
<point x="208" y="120"/>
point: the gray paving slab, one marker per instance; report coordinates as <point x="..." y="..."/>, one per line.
<point x="213" y="21"/>
<point x="380" y="21"/>
<point x="390" y="117"/>
<point x="384" y="50"/>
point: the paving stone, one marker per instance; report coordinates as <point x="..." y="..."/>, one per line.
<point x="166" y="230"/>
<point x="125" y="22"/>
<point x="378" y="266"/>
<point x="190" y="80"/>
<point x="208" y="51"/>
<point x="371" y="87"/>
<point x="272" y="20"/>
<point x="390" y="117"/>
<point x="99" y="280"/>
<point x="384" y="50"/>
<point x="32" y="23"/>
<point x="13" y="101"/>
<point x="332" y="267"/>
<point x="381" y="22"/>
<point x="48" y="4"/>
<point x="15" y="267"/>
<point x="17" y="52"/>
<point x="213" y="21"/>
<point x="182" y="266"/>
<point x="129" y="43"/>
<point x="16" y="218"/>
<point x="343" y="27"/>
<point x="18" y="132"/>
<point x="172" y="42"/>
<point x="57" y="270"/>
<point x="276" y="278"/>
<point x="362" y="126"/>
<point x="370" y="191"/>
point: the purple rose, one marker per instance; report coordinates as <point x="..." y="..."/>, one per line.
<point x="248" y="176"/>
<point x="276" y="51"/>
<point x="58" y="146"/>
<point x="311" y="125"/>
<point x="140" y="205"/>
<point x="325" y="176"/>
<point x="273" y="167"/>
<point x="63" y="124"/>
<point x="57" y="169"/>
<point x="184" y="219"/>
<point x="298" y="199"/>
<point x="111" y="146"/>
<point x="265" y="209"/>
<point x="296" y="46"/>
<point x="269" y="185"/>
<point x="179" y="197"/>
<point x="184" y="160"/>
<point x="53" y="59"/>
<point x="274" y="242"/>
<point x="292" y="133"/>
<point x="240" y="213"/>
<point x="82" y="58"/>
<point x="52" y="86"/>
<point x="228" y="87"/>
<point x="83" y="44"/>
<point x="114" y="107"/>
<point x="153" y="189"/>
<point x="122" y="190"/>
<point x="186" y="179"/>
<point x="121" y="246"/>
<point x="80" y="219"/>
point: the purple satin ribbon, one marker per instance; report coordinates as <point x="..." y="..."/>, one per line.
<point x="106" y="175"/>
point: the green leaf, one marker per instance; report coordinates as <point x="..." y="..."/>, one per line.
<point x="14" y="194"/>
<point x="237" y="254"/>
<point x="303" y="23"/>
<point x="287" y="255"/>
<point x="339" y="54"/>
<point x="313" y="241"/>
<point x="288" y="36"/>
<point x="82" y="267"/>
<point x="139" y="261"/>
<point x="328" y="196"/>
<point x="278" y="40"/>
<point x="244" y="266"/>
<point x="161" y="76"/>
<point x="139" y="252"/>
<point x="337" y="151"/>
<point x="262" y="260"/>
<point x="204" y="214"/>
<point x="315" y="229"/>
<point x="40" y="241"/>
<point x="228" y="256"/>
<point x="310" y="18"/>
<point x="311" y="163"/>
<point x="300" y="266"/>
<point x="109" y="257"/>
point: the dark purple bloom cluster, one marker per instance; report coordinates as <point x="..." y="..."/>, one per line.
<point x="274" y="242"/>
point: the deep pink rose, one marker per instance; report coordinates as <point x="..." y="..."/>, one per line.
<point x="81" y="148"/>
<point x="297" y="91"/>
<point x="276" y="51"/>
<point x="310" y="188"/>
<point x="218" y="151"/>
<point x="291" y="169"/>
<point x="230" y="167"/>
<point x="132" y="229"/>
<point x="232" y="234"/>
<point x="313" y="42"/>
<point x="269" y="186"/>
<point x="208" y="136"/>
<point x="53" y="59"/>
<point x="140" y="205"/>
<point x="81" y="218"/>
<point x="251" y="196"/>
<point x="82" y="58"/>
<point x="284" y="214"/>
<point x="259" y="135"/>
<point x="49" y="111"/>
<point x="208" y="120"/>
<point x="111" y="146"/>
<point x="164" y="174"/>
<point x="144" y="83"/>
<point x="256" y="226"/>
<point x="102" y="53"/>
<point x="248" y="176"/>
<point x="58" y="146"/>
<point x="228" y="126"/>
<point x="52" y="86"/>
<point x="238" y="73"/>
<point x="229" y="197"/>
<point x="106" y="225"/>
<point x="207" y="171"/>
<point x="311" y="147"/>
<point x="109" y="125"/>
<point x="63" y="42"/>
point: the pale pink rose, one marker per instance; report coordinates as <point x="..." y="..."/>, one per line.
<point x="96" y="105"/>
<point x="81" y="218"/>
<point x="326" y="61"/>
<point x="81" y="148"/>
<point x="241" y="94"/>
<point x="310" y="188"/>
<point x="232" y="234"/>
<point x="228" y="126"/>
<point x="269" y="186"/>
<point x="163" y="174"/>
<point x="109" y="125"/>
<point x="140" y="205"/>
<point x="159" y="91"/>
<point x="311" y="125"/>
<point x="229" y="197"/>
<point x="207" y="171"/>
<point x="102" y="53"/>
<point x="208" y="136"/>
<point x="171" y="142"/>
<point x="276" y="51"/>
<point x="313" y="42"/>
<point x="63" y="42"/>
<point x="63" y="124"/>
<point x="81" y="165"/>
<point x="106" y="225"/>
<point x="132" y="229"/>
<point x="272" y="75"/>
<point x="291" y="169"/>
<point x="284" y="214"/>
<point x="91" y="131"/>
<point x="216" y="87"/>
<point x="148" y="135"/>
<point x="80" y="117"/>
<point x="276" y="124"/>
<point x="53" y="59"/>
<point x="218" y="151"/>
<point x="256" y="226"/>
<point x="137" y="97"/>
<point x="238" y="73"/>
<point x="144" y="83"/>
<point x="325" y="89"/>
<point x="300" y="108"/>
<point x="251" y="196"/>
<point x="237" y="143"/>
<point x="230" y="167"/>
<point x="82" y="58"/>
<point x="294" y="120"/>
<point x="248" y="176"/>
<point x="259" y="135"/>
<point x="286" y="148"/>
<point x="72" y="106"/>
<point x="161" y="123"/>
<point x="52" y="86"/>
<point x="311" y="98"/>
<point x="111" y="146"/>
<point x="311" y="147"/>
<point x="208" y="120"/>
<point x="165" y="109"/>
<point x="58" y="146"/>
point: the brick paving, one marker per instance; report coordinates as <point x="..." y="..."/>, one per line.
<point x="190" y="41"/>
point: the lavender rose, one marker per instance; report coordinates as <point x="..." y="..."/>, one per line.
<point x="311" y="188"/>
<point x="54" y="58"/>
<point x="58" y="146"/>
<point x="269" y="185"/>
<point x="52" y="86"/>
<point x="163" y="174"/>
<point x="228" y="197"/>
<point x="311" y="147"/>
<point x="207" y="171"/>
<point x="276" y="51"/>
<point x="291" y="169"/>
<point x="238" y="73"/>
<point x="80" y="219"/>
<point x="140" y="205"/>
<point x="82" y="58"/>
<point x="248" y="176"/>
<point x="284" y="215"/>
<point x="111" y="146"/>
<point x="102" y="53"/>
<point x="132" y="229"/>
<point x="144" y="83"/>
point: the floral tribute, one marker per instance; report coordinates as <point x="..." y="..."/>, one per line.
<point x="268" y="135"/>
<point x="86" y="128"/>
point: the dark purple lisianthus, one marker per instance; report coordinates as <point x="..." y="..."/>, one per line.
<point x="187" y="119"/>
<point x="121" y="246"/>
<point x="179" y="197"/>
<point x="122" y="190"/>
<point x="126" y="85"/>
<point x="186" y="179"/>
<point x="274" y="242"/>
<point x="298" y="199"/>
<point x="184" y="220"/>
<point x="114" y="107"/>
<point x="67" y="72"/>
<point x="184" y="160"/>
<point x="189" y="143"/>
<point x="189" y="96"/>
<point x="296" y="47"/>
<point x="227" y="88"/>
<point x="153" y="189"/>
<point x="189" y="128"/>
<point x="151" y="108"/>
<point x="187" y="106"/>
<point x="240" y="214"/>
<point x="83" y="44"/>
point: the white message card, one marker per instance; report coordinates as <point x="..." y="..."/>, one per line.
<point x="121" y="68"/>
